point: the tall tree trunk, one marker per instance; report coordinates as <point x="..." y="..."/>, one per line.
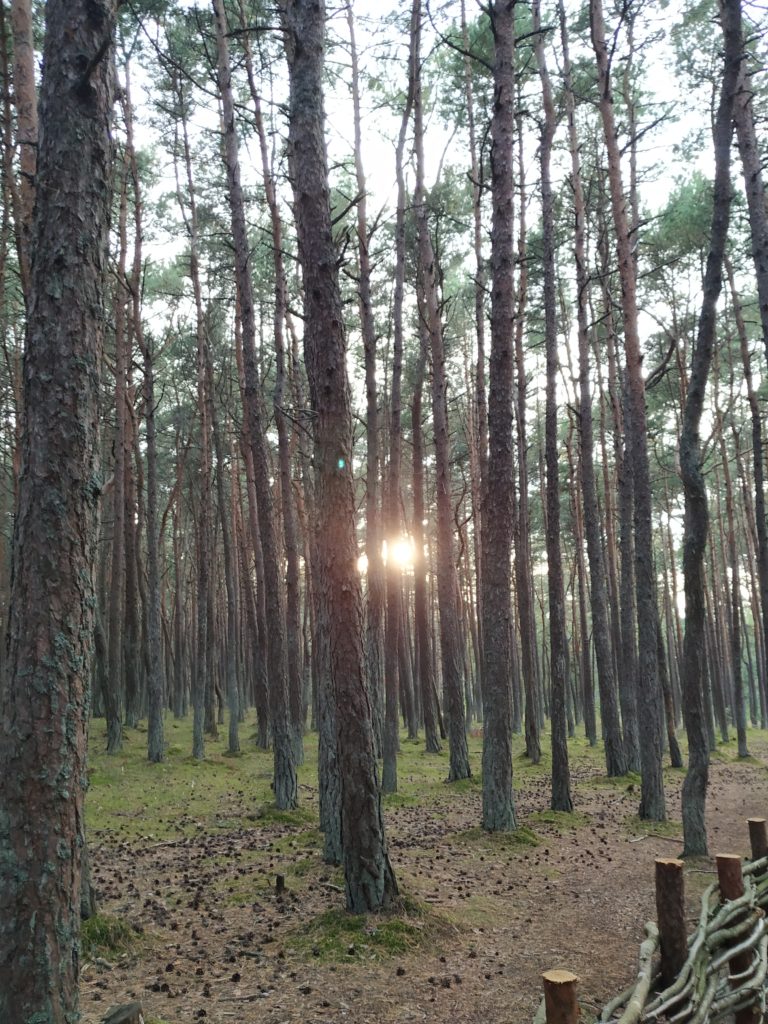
<point x="561" y="777"/>
<point x="615" y="762"/>
<point x="282" y="421"/>
<point x="420" y="601"/>
<point x="285" y="781"/>
<point x="113" y="693"/>
<point x="696" y="512"/>
<point x="496" y="546"/>
<point x="734" y="599"/>
<point x="523" y="575"/>
<point x="45" y="700"/>
<point x="480" y="410"/>
<point x="375" y="605"/>
<point x="447" y="584"/>
<point x="652" y="802"/>
<point x="155" y="680"/>
<point x="370" y="881"/>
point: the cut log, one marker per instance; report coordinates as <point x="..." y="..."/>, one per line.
<point x="731" y="881"/>
<point x="758" y="837"/>
<point x="560" y="999"/>
<point x="670" y="912"/>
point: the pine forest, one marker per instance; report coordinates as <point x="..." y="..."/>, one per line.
<point x="383" y="537"/>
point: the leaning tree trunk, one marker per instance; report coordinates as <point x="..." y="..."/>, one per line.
<point x="370" y="881"/>
<point x="44" y="715"/>
<point x="694" y="488"/>
<point x="496" y="546"/>
<point x="285" y="780"/>
<point x="652" y="802"/>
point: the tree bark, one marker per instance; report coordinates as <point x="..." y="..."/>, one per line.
<point x="561" y="777"/>
<point x="496" y="547"/>
<point x="615" y="761"/>
<point x="447" y="584"/>
<point x="652" y="803"/>
<point x="696" y="511"/>
<point x="370" y="881"/>
<point x="285" y="780"/>
<point x="44" y="712"/>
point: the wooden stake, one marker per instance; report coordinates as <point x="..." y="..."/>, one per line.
<point x="560" y="997"/>
<point x="670" y="912"/>
<point x="758" y="837"/>
<point x="731" y="881"/>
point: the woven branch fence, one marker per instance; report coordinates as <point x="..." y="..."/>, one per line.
<point x="718" y="973"/>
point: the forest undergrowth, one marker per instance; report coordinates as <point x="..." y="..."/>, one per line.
<point x="187" y="855"/>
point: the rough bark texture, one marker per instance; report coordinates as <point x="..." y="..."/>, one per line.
<point x="285" y="780"/>
<point x="370" y="881"/>
<point x="496" y="548"/>
<point x="45" y="699"/>
<point x="652" y="802"/>
<point x="696" y="512"/>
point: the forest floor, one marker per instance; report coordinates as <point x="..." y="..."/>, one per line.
<point x="185" y="858"/>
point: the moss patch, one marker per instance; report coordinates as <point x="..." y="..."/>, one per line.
<point x="563" y="819"/>
<point x="640" y="827"/>
<point x="337" y="936"/>
<point x="521" y="836"/>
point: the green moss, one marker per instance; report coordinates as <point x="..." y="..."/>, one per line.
<point x="640" y="827"/>
<point x="630" y="780"/>
<point x="338" y="936"/>
<point x="299" y="816"/>
<point x="563" y="819"/>
<point x="521" y="836"/>
<point x="106" y="936"/>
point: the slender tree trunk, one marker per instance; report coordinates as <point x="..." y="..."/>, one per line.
<point x="285" y="781"/>
<point x="370" y="881"/>
<point x="615" y="762"/>
<point x="155" y="680"/>
<point x="282" y="421"/>
<point x="496" y="547"/>
<point x="45" y="700"/>
<point x="113" y="693"/>
<point x="561" y="777"/>
<point x="377" y="594"/>
<point x="696" y="512"/>
<point x="447" y="584"/>
<point x="652" y="803"/>
<point x="420" y="601"/>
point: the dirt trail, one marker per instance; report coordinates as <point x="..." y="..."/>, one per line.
<point x="221" y="945"/>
